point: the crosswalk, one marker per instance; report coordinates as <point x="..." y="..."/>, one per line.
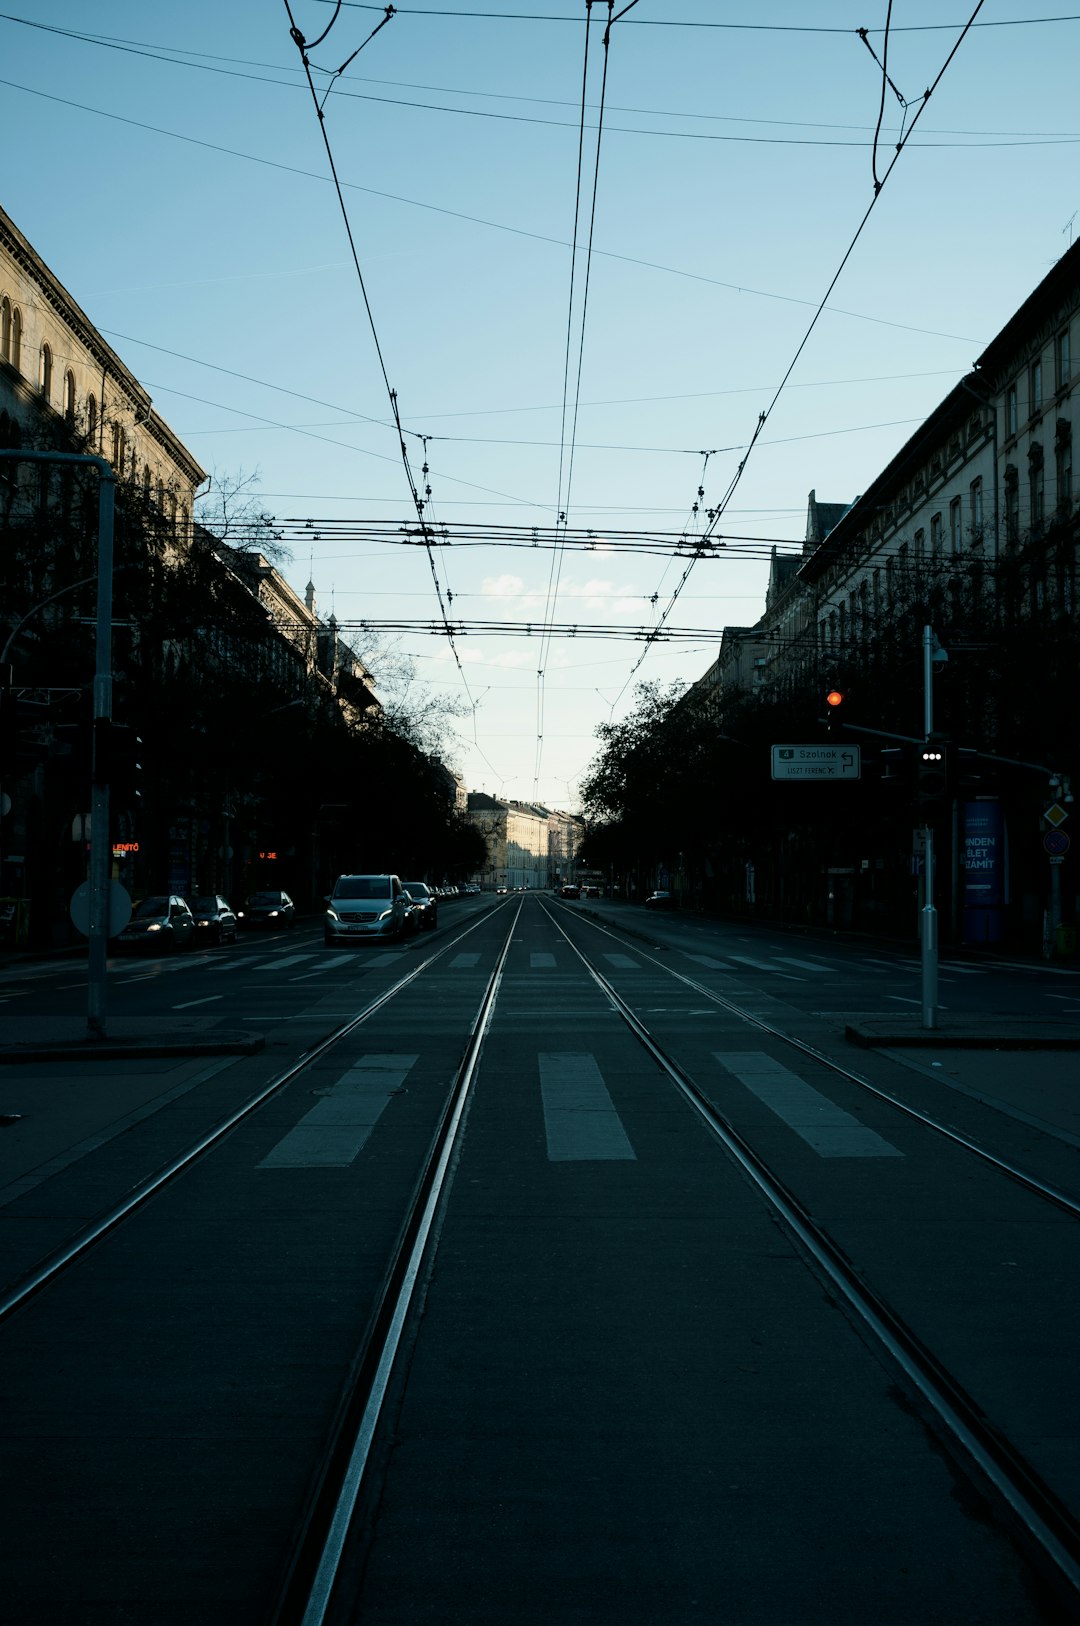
<point x="582" y="1123"/>
<point x="307" y="966"/>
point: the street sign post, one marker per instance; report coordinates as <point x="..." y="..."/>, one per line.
<point x="816" y="762"/>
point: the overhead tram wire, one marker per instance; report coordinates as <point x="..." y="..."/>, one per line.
<point x="764" y="416"/>
<point x="298" y="41"/>
<point x="566" y="453"/>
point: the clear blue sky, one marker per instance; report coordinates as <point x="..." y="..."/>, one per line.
<point x="175" y="180"/>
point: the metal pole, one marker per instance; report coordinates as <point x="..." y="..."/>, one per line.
<point x="928" y="926"/>
<point x="96" y="984"/>
<point x="99" y="795"/>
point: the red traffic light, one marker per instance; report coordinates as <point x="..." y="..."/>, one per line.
<point x="834" y="698"/>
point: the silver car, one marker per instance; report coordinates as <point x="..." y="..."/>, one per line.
<point x="365" y="906"/>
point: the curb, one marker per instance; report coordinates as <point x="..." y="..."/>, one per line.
<point x="133" y="1048"/>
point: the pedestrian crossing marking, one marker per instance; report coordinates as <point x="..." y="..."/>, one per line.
<point x="580" y="1120"/>
<point x="337" y="1128"/>
<point x="830" y="1130"/>
<point x="622" y="962"/>
<point x="542" y="962"/>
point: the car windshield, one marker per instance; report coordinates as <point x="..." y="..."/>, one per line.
<point x="272" y="898"/>
<point x="363" y="886"/>
<point x="416" y="889"/>
<point x="152" y="906"/>
<point x="204" y="906"/>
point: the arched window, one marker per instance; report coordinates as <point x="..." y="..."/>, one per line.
<point x="5" y="329"/>
<point x="118" y="448"/>
<point x="45" y="371"/>
<point x="91" y="418"/>
<point x="146" y="482"/>
<point x="69" y="396"/>
<point x="15" y="357"/>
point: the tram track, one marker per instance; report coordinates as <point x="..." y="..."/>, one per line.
<point x="1036" y="1516"/>
<point x="325" y="1528"/>
<point x="76" y="1247"/>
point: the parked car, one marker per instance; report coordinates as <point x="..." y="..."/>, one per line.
<point x="590" y="892"/>
<point x="365" y="906"/>
<point x="569" y="891"/>
<point x="661" y="900"/>
<point x="160" y="925"/>
<point x="267" y="911"/>
<point x="425" y="906"/>
<point x="215" y="920"/>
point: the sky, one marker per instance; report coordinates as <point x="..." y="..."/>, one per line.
<point x="171" y="168"/>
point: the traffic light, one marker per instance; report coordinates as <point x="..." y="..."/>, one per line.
<point x="835" y="699"/>
<point x="117" y="749"/>
<point x="932" y="776"/>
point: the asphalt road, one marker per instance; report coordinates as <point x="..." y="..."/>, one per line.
<point x="626" y="1396"/>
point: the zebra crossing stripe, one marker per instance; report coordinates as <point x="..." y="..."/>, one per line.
<point x="336" y="1130"/>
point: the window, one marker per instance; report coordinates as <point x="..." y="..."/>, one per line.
<point x="1036" y="486"/>
<point x="920" y="544"/>
<point x="955" y="526"/>
<point x="935" y="535"/>
<point x="91" y="418"/>
<point x="45" y="371"/>
<point x="69" y="396"/>
<point x="15" y="357"/>
<point x="1012" y="416"/>
<point x="5" y="329"/>
<point x="1012" y="503"/>
<point x="976" y="508"/>
<point x="1063" y="472"/>
<point x="1036" y="387"/>
<point x="1062" y="362"/>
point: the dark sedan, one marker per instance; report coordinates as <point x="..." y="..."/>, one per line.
<point x="267" y="911"/>
<point x="425" y="906"/>
<point x="215" y="921"/>
<point x="160" y="925"/>
<point x="661" y="900"/>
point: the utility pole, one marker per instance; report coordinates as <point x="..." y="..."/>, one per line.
<point x="928" y="924"/>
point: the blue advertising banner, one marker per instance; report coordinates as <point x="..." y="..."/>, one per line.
<point x="983" y="866"/>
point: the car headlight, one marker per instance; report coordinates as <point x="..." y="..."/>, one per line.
<point x="273" y="914"/>
<point x="154" y="926"/>
<point x="386" y="914"/>
<point x="332" y="914"/>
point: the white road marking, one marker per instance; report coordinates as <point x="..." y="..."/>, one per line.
<point x="623" y="962"/>
<point x="709" y="963"/>
<point x="580" y="1120"/>
<point x="464" y="962"/>
<point x="830" y="1130"/>
<point x="335" y="1131"/>
<point x="542" y="962"/>
<point x="805" y="965"/>
<point x="208" y="999"/>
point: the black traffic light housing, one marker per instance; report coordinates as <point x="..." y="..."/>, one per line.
<point x="836" y="699"/>
<point x="117" y="749"/>
<point x="933" y="774"/>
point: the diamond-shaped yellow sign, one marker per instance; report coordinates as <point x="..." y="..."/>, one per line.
<point x="1055" y="815"/>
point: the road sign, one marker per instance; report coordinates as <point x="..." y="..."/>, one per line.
<point x="119" y="908"/>
<point x="1056" y="841"/>
<point x="815" y="762"/>
<point x="1055" y="815"/>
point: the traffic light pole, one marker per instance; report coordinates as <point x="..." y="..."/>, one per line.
<point x="928" y="922"/>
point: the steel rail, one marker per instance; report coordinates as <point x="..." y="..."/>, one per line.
<point x="1030" y="1182"/>
<point x="1036" y="1513"/>
<point x="320" y="1546"/>
<point x="54" y="1263"/>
